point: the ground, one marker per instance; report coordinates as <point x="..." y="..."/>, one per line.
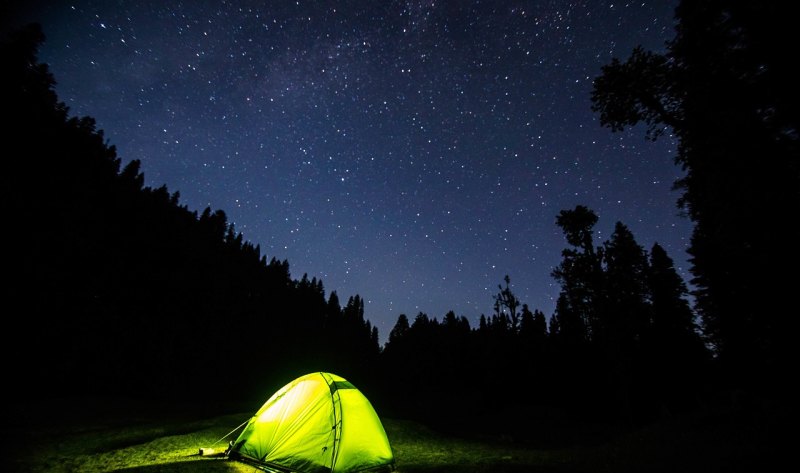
<point x="122" y="435"/>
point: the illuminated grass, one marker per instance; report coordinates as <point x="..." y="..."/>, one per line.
<point x="112" y="445"/>
<point x="105" y="443"/>
<point x="168" y="447"/>
<point x="418" y="449"/>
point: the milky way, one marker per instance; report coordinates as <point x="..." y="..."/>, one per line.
<point x="413" y="153"/>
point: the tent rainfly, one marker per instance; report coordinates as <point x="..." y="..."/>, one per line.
<point x="317" y="423"/>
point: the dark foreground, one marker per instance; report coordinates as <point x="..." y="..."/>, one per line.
<point x="123" y="435"/>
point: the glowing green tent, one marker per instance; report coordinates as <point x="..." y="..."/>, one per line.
<point x="319" y="422"/>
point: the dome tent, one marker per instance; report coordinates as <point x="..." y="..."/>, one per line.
<point x="317" y="423"/>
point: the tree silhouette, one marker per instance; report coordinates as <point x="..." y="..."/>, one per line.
<point x="675" y="351"/>
<point x="625" y="318"/>
<point x="399" y="330"/>
<point x="620" y="325"/>
<point x="730" y="97"/>
<point x="626" y="314"/>
<point x="533" y="326"/>
<point x="506" y="304"/>
<point x="580" y="276"/>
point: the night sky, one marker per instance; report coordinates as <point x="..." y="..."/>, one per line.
<point x="413" y="153"/>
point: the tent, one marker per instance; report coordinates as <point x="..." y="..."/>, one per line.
<point x="317" y="423"/>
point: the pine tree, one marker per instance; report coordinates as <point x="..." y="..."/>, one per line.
<point x="626" y="311"/>
<point x="624" y="322"/>
<point x="675" y="348"/>
<point x="580" y="275"/>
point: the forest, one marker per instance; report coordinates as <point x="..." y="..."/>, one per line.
<point x="114" y="288"/>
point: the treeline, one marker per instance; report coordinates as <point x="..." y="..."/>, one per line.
<point x="622" y="345"/>
<point x="114" y="288"/>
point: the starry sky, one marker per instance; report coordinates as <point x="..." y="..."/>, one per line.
<point x="411" y="152"/>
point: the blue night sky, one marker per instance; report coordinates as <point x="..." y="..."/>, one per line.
<point x="411" y="152"/>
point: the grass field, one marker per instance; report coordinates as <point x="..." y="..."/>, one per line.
<point x="102" y="436"/>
